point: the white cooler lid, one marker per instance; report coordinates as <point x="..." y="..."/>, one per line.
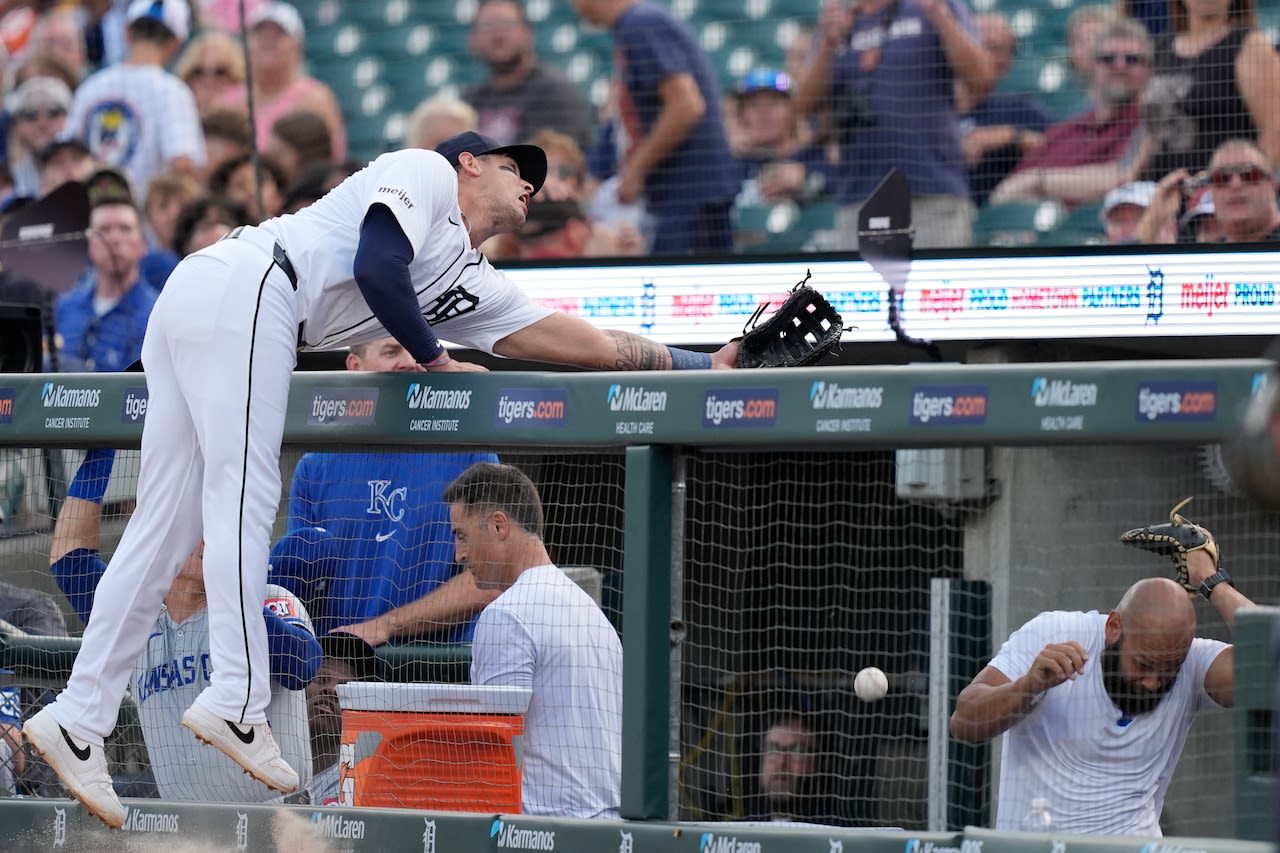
<point x="433" y="698"/>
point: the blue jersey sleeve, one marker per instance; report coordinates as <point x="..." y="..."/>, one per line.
<point x="77" y="575"/>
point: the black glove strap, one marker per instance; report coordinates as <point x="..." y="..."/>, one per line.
<point x="1220" y="576"/>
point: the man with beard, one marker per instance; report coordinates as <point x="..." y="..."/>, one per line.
<point x="1090" y="153"/>
<point x="789" y="771"/>
<point x="521" y="95"/>
<point x="1100" y="742"/>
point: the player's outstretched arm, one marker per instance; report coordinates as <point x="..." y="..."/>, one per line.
<point x="564" y="339"/>
<point x="454" y="601"/>
<point x="73" y="554"/>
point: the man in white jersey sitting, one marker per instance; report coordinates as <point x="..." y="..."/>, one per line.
<point x="392" y="250"/>
<point x="1096" y="707"/>
<point x="175" y="665"/>
<point x="544" y="633"/>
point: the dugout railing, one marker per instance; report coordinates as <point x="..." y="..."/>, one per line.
<point x="678" y="432"/>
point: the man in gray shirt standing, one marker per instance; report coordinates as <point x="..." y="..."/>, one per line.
<point x="521" y="95"/>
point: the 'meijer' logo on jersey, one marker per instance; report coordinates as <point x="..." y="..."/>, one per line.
<point x="398" y="193"/>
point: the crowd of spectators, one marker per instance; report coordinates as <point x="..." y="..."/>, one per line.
<point x="200" y="124"/>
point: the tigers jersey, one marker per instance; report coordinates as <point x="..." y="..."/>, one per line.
<point x="466" y="300"/>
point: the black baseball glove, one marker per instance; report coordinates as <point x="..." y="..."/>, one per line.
<point x="801" y="332"/>
<point x="1175" y="539"/>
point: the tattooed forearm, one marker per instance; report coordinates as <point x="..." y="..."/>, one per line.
<point x="637" y="353"/>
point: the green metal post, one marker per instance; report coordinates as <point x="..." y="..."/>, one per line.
<point x="646" y="640"/>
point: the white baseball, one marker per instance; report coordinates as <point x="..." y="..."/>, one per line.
<point x="871" y="684"/>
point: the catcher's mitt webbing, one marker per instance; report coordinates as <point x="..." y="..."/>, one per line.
<point x="803" y="330"/>
<point x="1175" y="539"/>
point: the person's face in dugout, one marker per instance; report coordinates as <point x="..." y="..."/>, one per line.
<point x="324" y="714"/>
<point x="382" y="356"/>
<point x="477" y="544"/>
<point x="788" y="761"/>
<point x="1138" y="674"/>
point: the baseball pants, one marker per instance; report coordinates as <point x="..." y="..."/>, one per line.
<point x="219" y="353"/>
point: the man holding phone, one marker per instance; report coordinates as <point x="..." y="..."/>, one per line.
<point x="1244" y="195"/>
<point x="886" y="69"/>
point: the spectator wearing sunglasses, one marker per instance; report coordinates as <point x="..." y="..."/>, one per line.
<point x="1084" y="157"/>
<point x="38" y="112"/>
<point x="212" y="66"/>
<point x="1244" y="195"/>
<point x="1217" y="77"/>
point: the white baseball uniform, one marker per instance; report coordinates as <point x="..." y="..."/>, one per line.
<point x="219" y="353"/>
<point x="168" y="676"/>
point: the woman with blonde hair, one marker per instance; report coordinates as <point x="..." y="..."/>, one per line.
<point x="436" y="119"/>
<point x="212" y="66"/>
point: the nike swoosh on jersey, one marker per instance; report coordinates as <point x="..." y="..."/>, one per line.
<point x="383" y="537"/>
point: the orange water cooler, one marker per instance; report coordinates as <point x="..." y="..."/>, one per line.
<point x="441" y="747"/>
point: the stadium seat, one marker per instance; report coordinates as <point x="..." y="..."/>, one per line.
<point x="1018" y="223"/>
<point x="1080" y="227"/>
<point x="781" y="228"/>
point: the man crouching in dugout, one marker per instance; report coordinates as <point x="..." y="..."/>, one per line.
<point x="1095" y="708"/>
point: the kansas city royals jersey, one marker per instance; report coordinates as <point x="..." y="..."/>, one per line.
<point x="392" y="527"/>
<point x="461" y="295"/>
<point x="166" y="680"/>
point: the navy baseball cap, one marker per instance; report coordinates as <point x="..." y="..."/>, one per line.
<point x="765" y="80"/>
<point x="531" y="159"/>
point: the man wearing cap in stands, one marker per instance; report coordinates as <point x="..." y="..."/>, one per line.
<point x="135" y="115"/>
<point x="1244" y="195"/>
<point x="1122" y="210"/>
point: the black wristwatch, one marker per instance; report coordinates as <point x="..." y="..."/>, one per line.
<point x="1220" y="576"/>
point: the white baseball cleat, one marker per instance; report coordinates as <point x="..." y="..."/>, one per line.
<point x="252" y="747"/>
<point x="82" y="768"/>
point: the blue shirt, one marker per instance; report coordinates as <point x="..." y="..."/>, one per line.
<point x="103" y="344"/>
<point x="650" y="45"/>
<point x="906" y="101"/>
<point x="386" y="516"/>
